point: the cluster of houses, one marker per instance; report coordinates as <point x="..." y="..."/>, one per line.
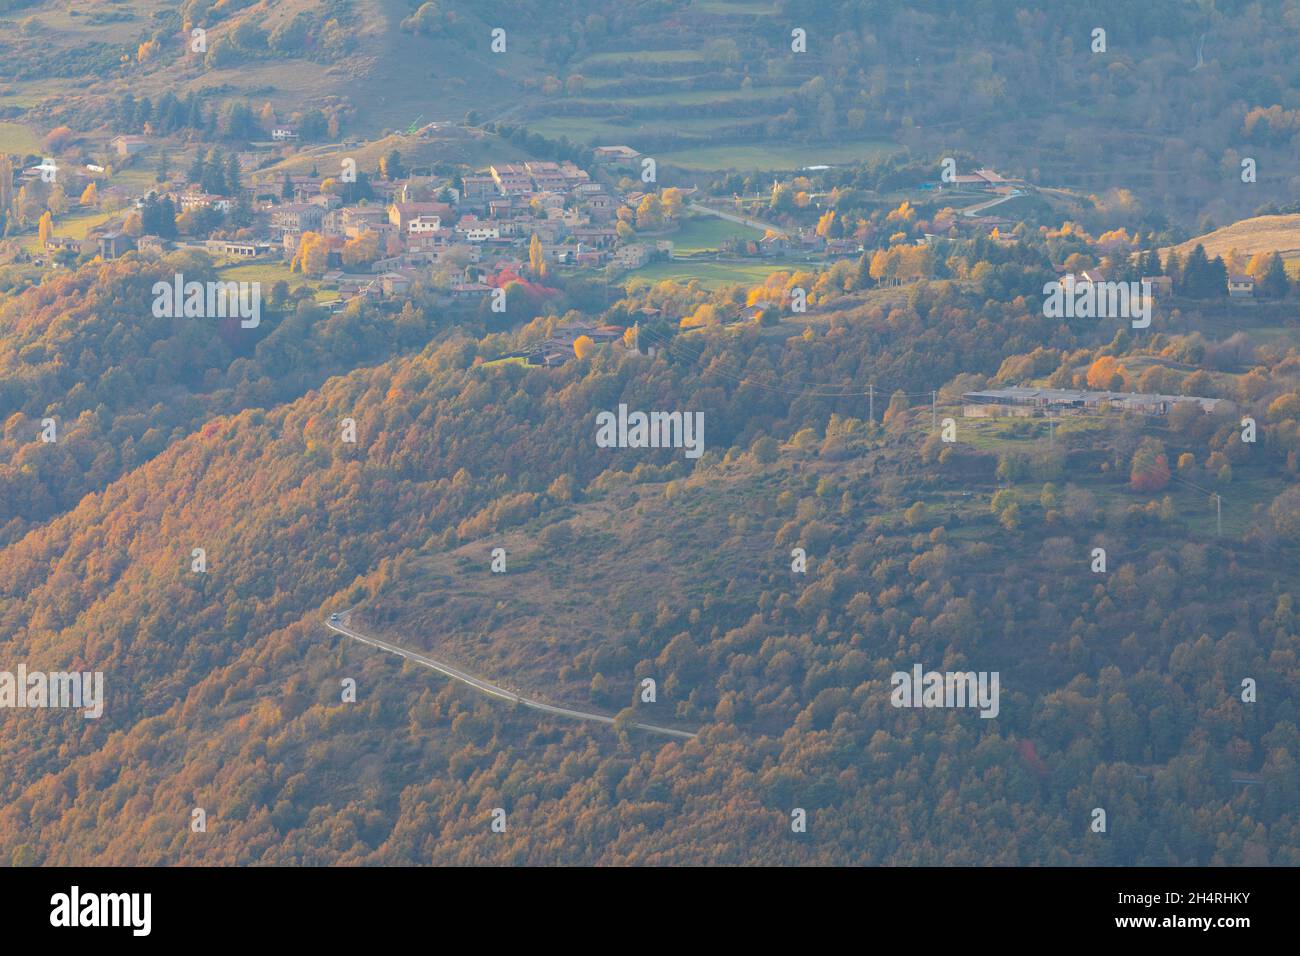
<point x="973" y="220"/>
<point x="1026" y="402"/>
<point x="486" y="221"/>
<point x="484" y="224"/>
<point x="558" y="347"/>
<point x="1240" y="285"/>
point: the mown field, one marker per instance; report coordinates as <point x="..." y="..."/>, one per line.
<point x="705" y="233"/>
<point x="1249" y="236"/>
<point x="270" y="272"/>
<point x="712" y="274"/>
<point x="18" y="138"/>
<point x="748" y="157"/>
<point x="76" y="224"/>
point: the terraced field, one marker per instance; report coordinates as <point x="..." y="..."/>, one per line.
<point x="749" y="157"/>
<point x="701" y="108"/>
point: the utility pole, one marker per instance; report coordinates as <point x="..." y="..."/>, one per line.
<point x="934" y="410"/>
<point x="871" y="403"/>
<point x="1051" y="432"/>
<point x="1218" y="514"/>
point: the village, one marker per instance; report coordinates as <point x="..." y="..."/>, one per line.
<point x="372" y="236"/>
<point x="458" y="232"/>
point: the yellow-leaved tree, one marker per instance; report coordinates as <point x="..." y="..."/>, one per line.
<point x="536" y="257"/>
<point x="311" y="256"/>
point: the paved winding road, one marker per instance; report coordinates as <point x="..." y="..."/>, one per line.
<point x="485" y="686"/>
<point x="979" y="207"/>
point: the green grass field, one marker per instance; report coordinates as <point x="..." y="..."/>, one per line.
<point x="512" y="360"/>
<point x="738" y="7"/>
<point x="75" y="224"/>
<point x="605" y="130"/>
<point x="668" y="113"/>
<point x="751" y="157"/>
<point x="22" y="95"/>
<point x="623" y="58"/>
<point x="706" y="233"/>
<point x="693" y="97"/>
<point x="711" y="274"/>
<point x="269" y="273"/>
<point x="17" y="138"/>
<point x="474" y="149"/>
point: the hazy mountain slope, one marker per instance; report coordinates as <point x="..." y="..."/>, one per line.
<point x="224" y="688"/>
<point x="120" y="383"/>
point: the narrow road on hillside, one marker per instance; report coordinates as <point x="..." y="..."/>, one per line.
<point x="979" y="207"/>
<point x="732" y="217"/>
<point x="486" y="687"/>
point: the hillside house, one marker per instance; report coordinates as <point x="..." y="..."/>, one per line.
<point x="114" y="244"/>
<point x="600" y="207"/>
<point x="424" y="225"/>
<point x="1160" y="285"/>
<point x="980" y="179"/>
<point x="236" y="249"/>
<point x="547" y="176"/>
<point x="632" y="256"/>
<point x="354" y="221"/>
<point x="401" y="214"/>
<point x="478" y="189"/>
<point x="1241" y="286"/>
<point x="194" y="200"/>
<point x="616" y="155"/>
<point x="512" y="179"/>
<point x="126" y="146"/>
<point x="296" y="217"/>
<point x="597" y="236"/>
<point x="472" y="229"/>
<point x="394" y="284"/>
<point x="470" y="291"/>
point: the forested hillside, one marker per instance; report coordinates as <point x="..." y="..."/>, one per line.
<point x="1119" y="690"/>
<point x="982" y="317"/>
<point x="85" y="350"/>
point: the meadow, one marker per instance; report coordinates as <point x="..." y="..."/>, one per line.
<point x="18" y="138"/>
<point x="751" y="157"/>
<point x="712" y="274"/>
<point x="707" y="233"/>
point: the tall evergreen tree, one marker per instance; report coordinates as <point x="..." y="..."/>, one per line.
<point x="233" y="182"/>
<point x="1217" y="279"/>
<point x="1196" y="277"/>
<point x="241" y="214"/>
<point x="1276" y="284"/>
<point x="214" y="174"/>
<point x="167" y="218"/>
<point x="198" y="168"/>
<point x="1174" y="268"/>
